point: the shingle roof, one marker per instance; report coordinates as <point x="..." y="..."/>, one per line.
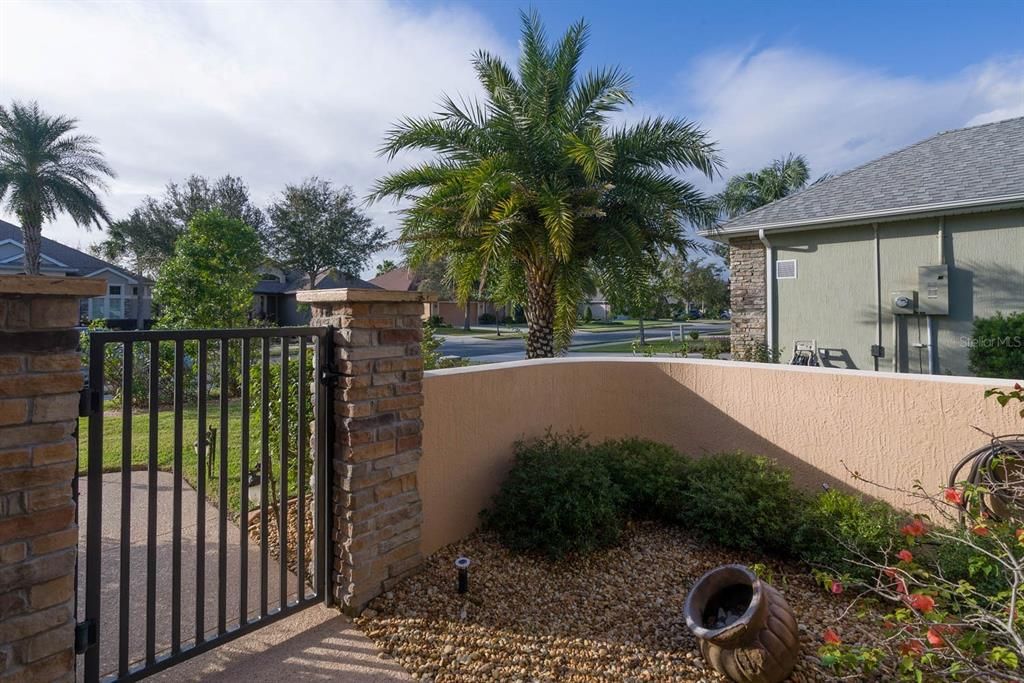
<point x="77" y="262"/>
<point x="331" y="280"/>
<point x="966" y="166"/>
<point x="398" y="279"/>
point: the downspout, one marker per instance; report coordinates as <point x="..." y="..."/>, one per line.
<point x="933" y="353"/>
<point x="878" y="296"/>
<point x="769" y="292"/>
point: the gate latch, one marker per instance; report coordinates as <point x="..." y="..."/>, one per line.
<point x="85" y="635"/>
<point x="330" y="376"/>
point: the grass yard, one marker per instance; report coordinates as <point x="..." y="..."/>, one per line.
<point x="619" y="325"/>
<point x="112" y="438"/>
<point x="659" y="346"/>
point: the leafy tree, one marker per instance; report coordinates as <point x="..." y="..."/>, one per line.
<point x="146" y="238"/>
<point x="534" y="187"/>
<point x="385" y="266"/>
<point x="315" y="228"/>
<point x="688" y="281"/>
<point x="45" y="169"/>
<point x="751" y="190"/>
<point x="208" y="282"/>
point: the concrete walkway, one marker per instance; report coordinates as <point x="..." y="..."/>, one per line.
<point x="313" y="640"/>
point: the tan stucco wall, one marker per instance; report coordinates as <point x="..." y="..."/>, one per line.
<point x="832" y="300"/>
<point x="891" y="428"/>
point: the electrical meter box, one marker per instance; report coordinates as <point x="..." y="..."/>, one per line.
<point x="933" y="285"/>
<point x="904" y="302"/>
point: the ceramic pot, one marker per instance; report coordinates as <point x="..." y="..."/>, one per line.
<point x="746" y="630"/>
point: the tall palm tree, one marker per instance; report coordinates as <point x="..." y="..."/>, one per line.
<point x="46" y="169"/>
<point x="532" y="187"/>
<point x="751" y="190"/>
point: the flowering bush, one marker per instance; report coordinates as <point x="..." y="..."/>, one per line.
<point x="954" y="589"/>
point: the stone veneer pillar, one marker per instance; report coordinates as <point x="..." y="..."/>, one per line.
<point x="747" y="286"/>
<point x="377" y="437"/>
<point x="40" y="380"/>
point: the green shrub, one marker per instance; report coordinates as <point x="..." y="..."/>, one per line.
<point x="837" y="528"/>
<point x="713" y="348"/>
<point x="651" y="476"/>
<point x="557" y="499"/>
<point x="486" y="319"/>
<point x="588" y="315"/>
<point x="997" y="346"/>
<point x="740" y="501"/>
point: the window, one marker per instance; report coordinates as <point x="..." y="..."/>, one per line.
<point x="110" y="306"/>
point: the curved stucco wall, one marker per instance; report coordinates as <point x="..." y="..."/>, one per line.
<point x="892" y="429"/>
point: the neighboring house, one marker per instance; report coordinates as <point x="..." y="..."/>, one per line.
<point x="600" y="308"/>
<point x="128" y="299"/>
<point x="274" y="295"/>
<point x="452" y="312"/>
<point x="842" y="262"/>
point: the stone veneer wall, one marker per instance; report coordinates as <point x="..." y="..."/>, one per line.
<point x="377" y="438"/>
<point x="747" y="300"/>
<point x="40" y="380"/>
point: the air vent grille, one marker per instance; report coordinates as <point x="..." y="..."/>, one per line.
<point x="785" y="270"/>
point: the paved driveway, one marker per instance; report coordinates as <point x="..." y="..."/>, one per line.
<point x="224" y="660"/>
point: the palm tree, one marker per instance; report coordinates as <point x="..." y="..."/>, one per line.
<point x="46" y="169"/>
<point x="532" y="190"/>
<point x="750" y="190"/>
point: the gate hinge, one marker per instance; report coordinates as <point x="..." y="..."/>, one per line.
<point x="85" y="635"/>
<point x="95" y="400"/>
<point x="330" y="376"/>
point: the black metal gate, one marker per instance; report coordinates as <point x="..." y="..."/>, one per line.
<point x="214" y="520"/>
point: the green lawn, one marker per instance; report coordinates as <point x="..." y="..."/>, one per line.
<point x="112" y="436"/>
<point x="659" y="346"/>
<point x="619" y="325"/>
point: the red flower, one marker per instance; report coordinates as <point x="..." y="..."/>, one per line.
<point x="905" y="555"/>
<point x="915" y="528"/>
<point x="922" y="603"/>
<point x="832" y="638"/>
<point x="888" y="625"/>
<point x="955" y="497"/>
<point x="1020" y="535"/>
<point x="837" y="587"/>
<point x="912" y="647"/>
<point x="935" y="638"/>
<point x="981" y="530"/>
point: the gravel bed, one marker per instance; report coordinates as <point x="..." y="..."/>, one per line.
<point x="615" y="615"/>
<point x="292" y="537"/>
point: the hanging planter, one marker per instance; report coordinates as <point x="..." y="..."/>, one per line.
<point x="746" y="630"/>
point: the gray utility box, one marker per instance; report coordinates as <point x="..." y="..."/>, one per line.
<point x="933" y="286"/>
<point x="904" y="302"/>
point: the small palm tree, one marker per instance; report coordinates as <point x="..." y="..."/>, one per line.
<point x="46" y="169"/>
<point x="749" y="191"/>
<point x="534" y="194"/>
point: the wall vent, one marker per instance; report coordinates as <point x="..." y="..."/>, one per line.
<point x="785" y="270"/>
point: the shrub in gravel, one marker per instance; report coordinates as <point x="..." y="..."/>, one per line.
<point x="558" y="499"/>
<point x="741" y="501"/>
<point x="838" y="530"/>
<point x="651" y="475"/>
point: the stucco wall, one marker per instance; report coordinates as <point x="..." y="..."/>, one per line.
<point x="832" y="299"/>
<point x="891" y="428"/>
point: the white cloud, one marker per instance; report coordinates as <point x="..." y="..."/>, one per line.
<point x="272" y="92"/>
<point x="762" y="104"/>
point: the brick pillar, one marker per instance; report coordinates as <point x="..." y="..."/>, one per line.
<point x="40" y="379"/>
<point x="377" y="437"/>
<point x="747" y="286"/>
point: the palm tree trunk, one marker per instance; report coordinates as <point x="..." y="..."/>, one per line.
<point x="540" y="316"/>
<point x="643" y="337"/>
<point x="31" y="232"/>
<point x="465" y="322"/>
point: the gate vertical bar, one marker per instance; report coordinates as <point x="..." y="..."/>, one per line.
<point x="124" y="597"/>
<point x="300" y="475"/>
<point x="282" y="511"/>
<point x="264" y="469"/>
<point x="154" y="426"/>
<point x="179" y="402"/>
<point x="325" y="470"/>
<point x="222" y="492"/>
<point x="201" y="498"/>
<point x="243" y="536"/>
<point x="94" y="521"/>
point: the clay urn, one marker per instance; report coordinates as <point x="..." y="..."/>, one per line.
<point x="746" y="630"/>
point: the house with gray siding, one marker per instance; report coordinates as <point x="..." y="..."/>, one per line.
<point x="128" y="301"/>
<point x="274" y="296"/>
<point x="886" y="266"/>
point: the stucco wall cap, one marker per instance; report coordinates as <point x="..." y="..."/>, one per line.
<point x="52" y="286"/>
<point x="981" y="382"/>
<point x="362" y="296"/>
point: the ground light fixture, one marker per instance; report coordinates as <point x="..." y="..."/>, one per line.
<point x="462" y="565"/>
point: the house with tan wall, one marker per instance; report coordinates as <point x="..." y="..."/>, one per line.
<point x="886" y="266"/>
<point x="452" y="312"/>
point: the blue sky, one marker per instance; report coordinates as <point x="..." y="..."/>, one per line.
<point x="275" y="92"/>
